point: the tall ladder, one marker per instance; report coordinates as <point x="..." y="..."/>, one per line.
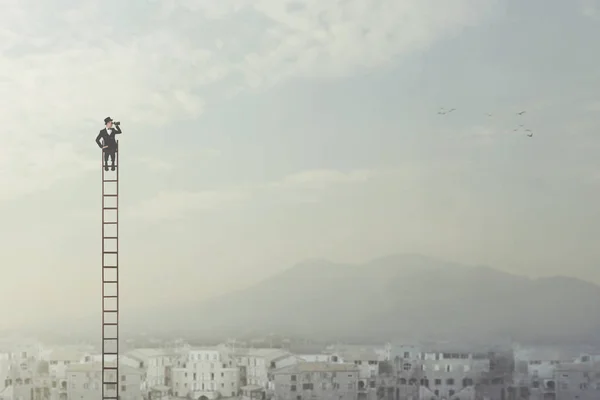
<point x="110" y="281"/>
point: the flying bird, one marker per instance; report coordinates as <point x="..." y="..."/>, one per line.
<point x="521" y="113"/>
<point x="442" y="112"/>
<point x="530" y="134"/>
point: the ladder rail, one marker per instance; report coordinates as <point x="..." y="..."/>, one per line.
<point x="110" y="370"/>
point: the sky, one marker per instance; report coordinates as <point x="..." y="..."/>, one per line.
<point x="257" y="134"/>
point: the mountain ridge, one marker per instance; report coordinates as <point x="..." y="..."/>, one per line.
<point x="399" y="295"/>
<point x="320" y="298"/>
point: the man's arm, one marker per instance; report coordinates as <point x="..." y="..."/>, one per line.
<point x="118" y="129"/>
<point x="98" y="139"/>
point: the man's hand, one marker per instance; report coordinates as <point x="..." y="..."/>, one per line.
<point x="105" y="147"/>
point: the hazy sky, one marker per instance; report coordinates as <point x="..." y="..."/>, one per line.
<point x="258" y="133"/>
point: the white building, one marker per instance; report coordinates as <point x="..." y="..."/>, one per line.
<point x="578" y="380"/>
<point x="210" y="372"/>
<point x="326" y="381"/>
<point x="59" y="360"/>
<point x="18" y="385"/>
<point x="154" y="362"/>
<point x="85" y="382"/>
<point x="256" y="365"/>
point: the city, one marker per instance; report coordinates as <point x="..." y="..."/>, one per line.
<point x="234" y="370"/>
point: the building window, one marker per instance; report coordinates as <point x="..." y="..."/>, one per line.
<point x="406" y="354"/>
<point x="123" y="388"/>
<point x="293" y="388"/>
<point x="451" y="392"/>
<point x="307" y="386"/>
<point x="123" y="378"/>
<point x="448" y="368"/>
<point x="293" y="378"/>
<point x="450" y="381"/>
<point x="407" y="367"/>
<point x="438" y="382"/>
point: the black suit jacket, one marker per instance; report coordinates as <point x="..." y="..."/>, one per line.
<point x="108" y="139"/>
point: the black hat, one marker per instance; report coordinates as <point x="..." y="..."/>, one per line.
<point x="107" y="120"/>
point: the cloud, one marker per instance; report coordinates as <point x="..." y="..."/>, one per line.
<point x="300" y="187"/>
<point x="66" y="65"/>
<point x="591" y="8"/>
<point x="174" y="205"/>
<point x="321" y="178"/>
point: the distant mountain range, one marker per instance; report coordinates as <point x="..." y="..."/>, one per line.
<point x="398" y="296"/>
<point x="391" y="298"/>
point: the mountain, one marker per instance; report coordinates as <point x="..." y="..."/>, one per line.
<point x="396" y="297"/>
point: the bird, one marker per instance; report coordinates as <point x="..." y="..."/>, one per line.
<point x="530" y="134"/>
<point x="521" y="113"/>
<point x="489" y="114"/>
<point x="442" y="112"/>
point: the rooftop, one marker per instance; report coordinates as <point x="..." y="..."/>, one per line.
<point x="146" y="353"/>
<point x="579" y="366"/>
<point x="317" y="367"/>
<point x="268" y="354"/>
<point x="65" y="354"/>
<point x="97" y="367"/>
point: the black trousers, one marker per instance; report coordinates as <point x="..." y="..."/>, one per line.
<point x="109" y="153"/>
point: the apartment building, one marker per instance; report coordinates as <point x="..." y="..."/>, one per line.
<point x="209" y="372"/>
<point x="256" y="365"/>
<point x="317" y="380"/>
<point x="154" y="363"/>
<point x="578" y="380"/>
<point x="59" y="360"/>
<point x="18" y="385"/>
<point x="85" y="382"/>
<point x="440" y="374"/>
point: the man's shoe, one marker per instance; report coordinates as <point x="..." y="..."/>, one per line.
<point x="112" y="168"/>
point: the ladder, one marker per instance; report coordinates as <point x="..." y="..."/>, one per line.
<point x="110" y="281"/>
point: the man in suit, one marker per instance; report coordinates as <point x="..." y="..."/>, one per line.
<point x="109" y="143"/>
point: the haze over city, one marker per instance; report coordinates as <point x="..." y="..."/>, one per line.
<point x="260" y="134"/>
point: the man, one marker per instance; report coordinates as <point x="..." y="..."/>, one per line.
<point x="109" y="143"/>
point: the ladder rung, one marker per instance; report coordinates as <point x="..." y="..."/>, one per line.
<point x="110" y="208"/>
<point x="110" y="223"/>
<point x="110" y="180"/>
<point x="109" y="252"/>
<point x="110" y="297"/>
<point x="110" y="195"/>
<point x="110" y="311"/>
<point x="110" y="266"/>
<point x="110" y="237"/>
<point x="110" y="323"/>
<point x="110" y="281"/>
<point x="111" y="338"/>
<point x="106" y="353"/>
